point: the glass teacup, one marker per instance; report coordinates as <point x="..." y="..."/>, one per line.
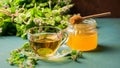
<point x="45" y="40"/>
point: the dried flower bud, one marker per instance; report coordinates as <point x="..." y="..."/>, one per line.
<point x="37" y="21"/>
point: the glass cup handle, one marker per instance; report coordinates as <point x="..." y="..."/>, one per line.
<point x="65" y="37"/>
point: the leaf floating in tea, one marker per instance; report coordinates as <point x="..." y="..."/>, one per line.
<point x="44" y="51"/>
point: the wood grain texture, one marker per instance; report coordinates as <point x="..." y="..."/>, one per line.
<point x="88" y="7"/>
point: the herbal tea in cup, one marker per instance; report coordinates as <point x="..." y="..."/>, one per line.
<point x="45" y="40"/>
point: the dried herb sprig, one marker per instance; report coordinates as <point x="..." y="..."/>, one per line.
<point x="25" y="57"/>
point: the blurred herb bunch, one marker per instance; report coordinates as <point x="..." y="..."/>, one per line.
<point x="17" y="16"/>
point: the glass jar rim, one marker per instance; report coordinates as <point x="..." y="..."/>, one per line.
<point x="89" y="21"/>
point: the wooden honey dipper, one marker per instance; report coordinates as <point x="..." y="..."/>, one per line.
<point x="75" y="19"/>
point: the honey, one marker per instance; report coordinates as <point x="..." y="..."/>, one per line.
<point x="83" y="42"/>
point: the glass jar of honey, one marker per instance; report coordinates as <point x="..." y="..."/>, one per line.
<point x="83" y="36"/>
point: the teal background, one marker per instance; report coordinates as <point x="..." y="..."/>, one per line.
<point x="107" y="54"/>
